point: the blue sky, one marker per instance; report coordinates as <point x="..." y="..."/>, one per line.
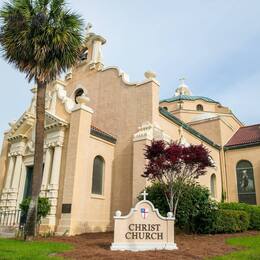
<point x="214" y="44"/>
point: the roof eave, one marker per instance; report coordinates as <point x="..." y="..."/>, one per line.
<point x="188" y="128"/>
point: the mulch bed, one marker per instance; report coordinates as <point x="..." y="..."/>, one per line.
<point x="96" y="246"/>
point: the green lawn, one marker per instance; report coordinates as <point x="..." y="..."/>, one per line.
<point x="251" y="250"/>
<point x="11" y="249"/>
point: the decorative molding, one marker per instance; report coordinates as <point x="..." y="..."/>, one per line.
<point x="54" y="139"/>
<point x="150" y="131"/>
<point x="17" y="149"/>
<point x="62" y="95"/>
<point x="125" y="77"/>
<point x="83" y="107"/>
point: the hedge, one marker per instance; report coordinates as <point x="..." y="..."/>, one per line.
<point x="252" y="210"/>
<point x="195" y="212"/>
<point x="231" y="221"/>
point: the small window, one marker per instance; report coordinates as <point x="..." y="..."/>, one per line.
<point x="213" y="185"/>
<point x="166" y="108"/>
<point x="199" y="107"/>
<point x="79" y="92"/>
<point x="98" y="175"/>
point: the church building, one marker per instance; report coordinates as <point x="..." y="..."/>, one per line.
<point x="97" y="124"/>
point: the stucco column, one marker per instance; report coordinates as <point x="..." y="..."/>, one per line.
<point x="17" y="172"/>
<point x="55" y="172"/>
<point x="53" y="187"/>
<point x="7" y="186"/>
<point x="9" y="172"/>
<point x="76" y="166"/>
<point x="46" y="170"/>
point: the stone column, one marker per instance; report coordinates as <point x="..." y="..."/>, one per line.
<point x="53" y="187"/>
<point x="22" y="184"/>
<point x="8" y="180"/>
<point x="15" y="182"/>
<point x="55" y="173"/>
<point x="46" y="171"/>
<point x="17" y="172"/>
<point x="9" y="172"/>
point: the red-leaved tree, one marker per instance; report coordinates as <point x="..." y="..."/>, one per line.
<point x="171" y="164"/>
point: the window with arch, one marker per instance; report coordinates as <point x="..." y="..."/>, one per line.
<point x="98" y="175"/>
<point x="166" y="108"/>
<point x="199" y="107"/>
<point x="245" y="182"/>
<point x="79" y="92"/>
<point x="213" y="185"/>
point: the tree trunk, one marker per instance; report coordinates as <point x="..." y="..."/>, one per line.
<point x="31" y="221"/>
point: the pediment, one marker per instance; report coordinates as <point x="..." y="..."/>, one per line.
<point x="23" y="127"/>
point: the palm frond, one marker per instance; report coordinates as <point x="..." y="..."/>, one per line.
<point x="41" y="38"/>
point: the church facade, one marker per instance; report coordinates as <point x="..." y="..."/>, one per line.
<point x="97" y="124"/>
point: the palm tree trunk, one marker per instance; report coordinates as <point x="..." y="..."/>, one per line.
<point x="31" y="221"/>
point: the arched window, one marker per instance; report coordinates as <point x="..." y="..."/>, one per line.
<point x="166" y="108"/>
<point x="79" y="92"/>
<point x="245" y="182"/>
<point x="98" y="175"/>
<point x="199" y="107"/>
<point x="213" y="185"/>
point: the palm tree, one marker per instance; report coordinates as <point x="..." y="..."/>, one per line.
<point x="41" y="38"/>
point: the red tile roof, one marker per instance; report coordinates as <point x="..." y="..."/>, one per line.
<point x="245" y="135"/>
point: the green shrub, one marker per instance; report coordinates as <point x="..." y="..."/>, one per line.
<point x="196" y="211"/>
<point x="252" y="210"/>
<point x="231" y="221"/>
<point x="44" y="207"/>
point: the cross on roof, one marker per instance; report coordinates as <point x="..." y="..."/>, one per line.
<point x="144" y="194"/>
<point x="182" y="80"/>
<point x="88" y="28"/>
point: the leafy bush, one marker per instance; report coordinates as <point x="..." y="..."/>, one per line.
<point x="196" y="212"/>
<point x="252" y="211"/>
<point x="44" y="207"/>
<point x="231" y="221"/>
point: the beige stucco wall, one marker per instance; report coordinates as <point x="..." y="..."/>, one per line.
<point x="232" y="157"/>
<point x="90" y="212"/>
<point x="82" y="148"/>
<point x="120" y="108"/>
<point x="216" y="129"/>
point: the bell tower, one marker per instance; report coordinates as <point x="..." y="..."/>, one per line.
<point x="92" y="49"/>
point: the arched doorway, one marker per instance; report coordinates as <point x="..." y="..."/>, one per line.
<point x="245" y="182"/>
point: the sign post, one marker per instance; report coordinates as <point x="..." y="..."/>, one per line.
<point x="143" y="229"/>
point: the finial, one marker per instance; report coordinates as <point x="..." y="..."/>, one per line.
<point x="150" y="74"/>
<point x="144" y="194"/>
<point x="88" y="28"/>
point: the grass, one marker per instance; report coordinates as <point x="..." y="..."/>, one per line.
<point x="11" y="249"/>
<point x="250" y="249"/>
